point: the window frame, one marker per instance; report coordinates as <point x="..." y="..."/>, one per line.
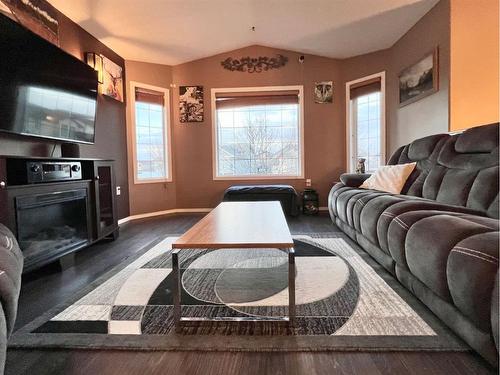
<point x="351" y="124"/>
<point x="215" y="138"/>
<point x="167" y="134"/>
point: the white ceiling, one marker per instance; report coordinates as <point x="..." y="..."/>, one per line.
<point x="175" y="31"/>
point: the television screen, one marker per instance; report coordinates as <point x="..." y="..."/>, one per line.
<point x="44" y="91"/>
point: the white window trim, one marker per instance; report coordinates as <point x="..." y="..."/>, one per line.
<point x="166" y="133"/>
<point x="214" y="91"/>
<point x="350" y="124"/>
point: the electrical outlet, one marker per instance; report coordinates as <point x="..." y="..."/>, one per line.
<point x="118" y="190"/>
<point x="308" y="182"/>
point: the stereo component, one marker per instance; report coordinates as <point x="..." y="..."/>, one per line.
<point x="47" y="171"/>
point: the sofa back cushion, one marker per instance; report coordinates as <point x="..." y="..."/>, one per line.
<point x="424" y="152"/>
<point x="461" y="169"/>
<point x="466" y="173"/>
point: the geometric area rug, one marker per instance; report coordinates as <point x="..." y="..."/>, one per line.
<point x="345" y="301"/>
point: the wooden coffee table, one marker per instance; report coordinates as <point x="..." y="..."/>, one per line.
<point x="238" y="225"/>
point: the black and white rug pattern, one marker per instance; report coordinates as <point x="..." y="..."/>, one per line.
<point x="337" y="294"/>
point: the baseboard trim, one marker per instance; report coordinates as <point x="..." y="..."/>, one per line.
<point x="174" y="211"/>
<point x="162" y="213"/>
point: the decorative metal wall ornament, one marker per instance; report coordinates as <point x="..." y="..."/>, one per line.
<point x="254" y="64"/>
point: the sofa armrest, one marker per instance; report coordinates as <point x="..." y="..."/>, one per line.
<point x="353" y="179"/>
<point x="11" y="266"/>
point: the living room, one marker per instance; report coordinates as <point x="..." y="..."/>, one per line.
<point x="279" y="186"/>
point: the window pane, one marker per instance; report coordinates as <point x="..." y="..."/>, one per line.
<point x="226" y="135"/>
<point x="150" y="141"/>
<point x="290" y="166"/>
<point x="225" y="119"/>
<point x="367" y="109"/>
<point x="362" y="148"/>
<point x="363" y="112"/>
<point x="226" y="167"/>
<point x="258" y="140"/>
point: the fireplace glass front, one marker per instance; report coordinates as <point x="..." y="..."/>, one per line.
<point x="51" y="225"/>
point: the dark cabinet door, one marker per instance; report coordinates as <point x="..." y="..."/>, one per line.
<point x="104" y="181"/>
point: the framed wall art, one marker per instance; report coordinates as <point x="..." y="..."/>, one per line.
<point x="191" y="104"/>
<point x="323" y="92"/>
<point x="112" y="77"/>
<point x="419" y="80"/>
<point x="36" y="15"/>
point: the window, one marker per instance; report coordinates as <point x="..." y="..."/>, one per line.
<point x="367" y="139"/>
<point x="151" y="133"/>
<point x="258" y="133"/>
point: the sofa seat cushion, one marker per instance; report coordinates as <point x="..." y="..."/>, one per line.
<point x="371" y="214"/>
<point x="342" y="201"/>
<point x="352" y="203"/>
<point x="409" y="204"/>
<point x="363" y="209"/>
<point x="421" y="241"/>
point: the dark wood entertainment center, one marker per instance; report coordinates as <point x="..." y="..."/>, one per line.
<point x="52" y="219"/>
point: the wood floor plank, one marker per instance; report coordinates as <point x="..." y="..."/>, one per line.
<point x="47" y="287"/>
<point x="74" y="362"/>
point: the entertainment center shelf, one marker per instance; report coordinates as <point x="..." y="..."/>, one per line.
<point x="56" y="206"/>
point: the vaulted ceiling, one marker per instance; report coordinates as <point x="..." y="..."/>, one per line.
<point x="176" y="31"/>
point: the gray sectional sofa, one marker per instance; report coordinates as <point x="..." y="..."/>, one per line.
<point x="440" y="236"/>
<point x="11" y="267"/>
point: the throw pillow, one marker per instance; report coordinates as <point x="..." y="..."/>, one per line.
<point x="389" y="178"/>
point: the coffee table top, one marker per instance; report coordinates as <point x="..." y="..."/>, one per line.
<point x="239" y="225"/>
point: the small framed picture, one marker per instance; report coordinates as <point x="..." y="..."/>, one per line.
<point x="112" y="79"/>
<point x="419" y="80"/>
<point x="191" y="103"/>
<point x="323" y="92"/>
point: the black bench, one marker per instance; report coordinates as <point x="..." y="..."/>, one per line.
<point x="286" y="194"/>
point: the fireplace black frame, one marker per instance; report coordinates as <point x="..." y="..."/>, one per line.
<point x="12" y="188"/>
<point x="55" y="204"/>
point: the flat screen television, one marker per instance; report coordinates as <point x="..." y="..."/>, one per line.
<point x="44" y="92"/>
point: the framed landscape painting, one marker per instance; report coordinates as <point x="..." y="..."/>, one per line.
<point x="419" y="80"/>
<point x="36" y="15"/>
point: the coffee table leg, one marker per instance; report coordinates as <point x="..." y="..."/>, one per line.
<point x="177" y="288"/>
<point x="291" y="286"/>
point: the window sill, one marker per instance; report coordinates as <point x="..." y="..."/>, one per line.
<point x="156" y="181"/>
<point x="256" y="178"/>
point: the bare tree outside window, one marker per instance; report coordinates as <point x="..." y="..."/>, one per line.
<point x="258" y="140"/>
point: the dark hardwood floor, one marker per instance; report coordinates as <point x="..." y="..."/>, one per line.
<point x="50" y="286"/>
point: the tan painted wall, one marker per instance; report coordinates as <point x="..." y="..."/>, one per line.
<point x="430" y="114"/>
<point x="324" y="131"/>
<point x="193" y="185"/>
<point x="474" y="90"/>
<point x="148" y="197"/>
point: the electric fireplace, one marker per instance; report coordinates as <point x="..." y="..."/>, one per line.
<point x="51" y="225"/>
